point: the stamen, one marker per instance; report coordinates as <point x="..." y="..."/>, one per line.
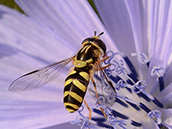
<point x="131" y="102"/>
<point x="144" y="107"/>
<point x="114" y="122"/>
<point x="137" y="124"/>
<point x="155" y="115"/>
<point x="112" y="119"/>
<point x="123" y="77"/>
<point x="141" y="57"/>
<point x="157" y="70"/>
<point x="121" y="102"/>
<point x="161" y="83"/>
<point x="139" y="86"/>
<point x="83" y="121"/>
<point x="120" y="84"/>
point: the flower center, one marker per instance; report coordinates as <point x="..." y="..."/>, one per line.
<point x="131" y="104"/>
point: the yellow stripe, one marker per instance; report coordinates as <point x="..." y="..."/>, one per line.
<point x="68" y="82"/>
<point x="73" y="72"/>
<point x="87" y="48"/>
<point x="70" y="110"/>
<point x="83" y="48"/>
<point x="84" y="75"/>
<point x="73" y="95"/>
<point x="79" y="85"/>
<point x="72" y="105"/>
<point x="66" y="93"/>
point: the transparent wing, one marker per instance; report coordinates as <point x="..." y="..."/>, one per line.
<point x="105" y="89"/>
<point x="40" y="77"/>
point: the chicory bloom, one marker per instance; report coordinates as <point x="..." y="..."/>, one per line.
<point x="138" y="37"/>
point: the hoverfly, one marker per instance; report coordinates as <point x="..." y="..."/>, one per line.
<point x="86" y="62"/>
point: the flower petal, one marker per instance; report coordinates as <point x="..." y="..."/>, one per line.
<point x="116" y="17"/>
<point x="32" y="114"/>
<point x="161" y="47"/>
<point x="65" y="19"/>
<point x="166" y="117"/>
<point x="165" y="96"/>
<point x="126" y="23"/>
<point x="28" y="37"/>
<point x="160" y="29"/>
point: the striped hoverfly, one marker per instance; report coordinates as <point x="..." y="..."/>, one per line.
<point x="87" y="62"/>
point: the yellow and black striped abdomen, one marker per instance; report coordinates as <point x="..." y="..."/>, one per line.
<point x="75" y="88"/>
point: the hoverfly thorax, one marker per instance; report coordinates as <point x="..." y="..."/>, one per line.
<point x="97" y="42"/>
<point x="92" y="49"/>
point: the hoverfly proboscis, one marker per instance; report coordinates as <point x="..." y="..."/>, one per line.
<point x="86" y="62"/>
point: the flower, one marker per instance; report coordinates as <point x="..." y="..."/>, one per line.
<point x="53" y="30"/>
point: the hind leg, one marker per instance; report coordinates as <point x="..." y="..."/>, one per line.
<point x="94" y="84"/>
<point x="88" y="109"/>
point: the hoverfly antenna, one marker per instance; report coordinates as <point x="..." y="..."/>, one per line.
<point x="100" y="34"/>
<point x="95" y="33"/>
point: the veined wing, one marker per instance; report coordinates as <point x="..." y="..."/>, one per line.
<point x="104" y="87"/>
<point x="40" y="77"/>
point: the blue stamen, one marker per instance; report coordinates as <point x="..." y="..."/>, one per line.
<point x="114" y="122"/>
<point x="136" y="123"/>
<point x="114" y="78"/>
<point x="120" y="84"/>
<point x="146" y="109"/>
<point x="130" y="82"/>
<point x="97" y="111"/>
<point x="161" y="83"/>
<point x="134" y="106"/>
<point x="158" y="103"/>
<point x="155" y="116"/>
<point x="129" y="90"/>
<point x="132" y="103"/>
<point x="103" y="125"/>
<point x="133" y="77"/>
<point x="130" y="65"/>
<point x="139" y="86"/>
<point x="148" y="63"/>
<point x="162" y="126"/>
<point x="141" y="57"/>
<point x="121" y="102"/>
<point x="156" y="70"/>
<point x="112" y="118"/>
<point x="97" y="77"/>
<point x="117" y="114"/>
<point x="83" y="121"/>
<point x="98" y="119"/>
<point x="144" y="96"/>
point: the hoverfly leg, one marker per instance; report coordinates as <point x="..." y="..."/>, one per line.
<point x="104" y="58"/>
<point x="94" y="84"/>
<point x="106" y="66"/>
<point x="88" y="109"/>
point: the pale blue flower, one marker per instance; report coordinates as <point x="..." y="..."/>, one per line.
<point x="53" y="30"/>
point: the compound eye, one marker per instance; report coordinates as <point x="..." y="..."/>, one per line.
<point x="88" y="40"/>
<point x="101" y="44"/>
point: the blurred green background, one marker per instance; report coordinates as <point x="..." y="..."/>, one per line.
<point x="12" y="4"/>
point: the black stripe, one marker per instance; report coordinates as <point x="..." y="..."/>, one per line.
<point x="69" y="107"/>
<point x="69" y="99"/>
<point x="72" y="88"/>
<point x="78" y="76"/>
